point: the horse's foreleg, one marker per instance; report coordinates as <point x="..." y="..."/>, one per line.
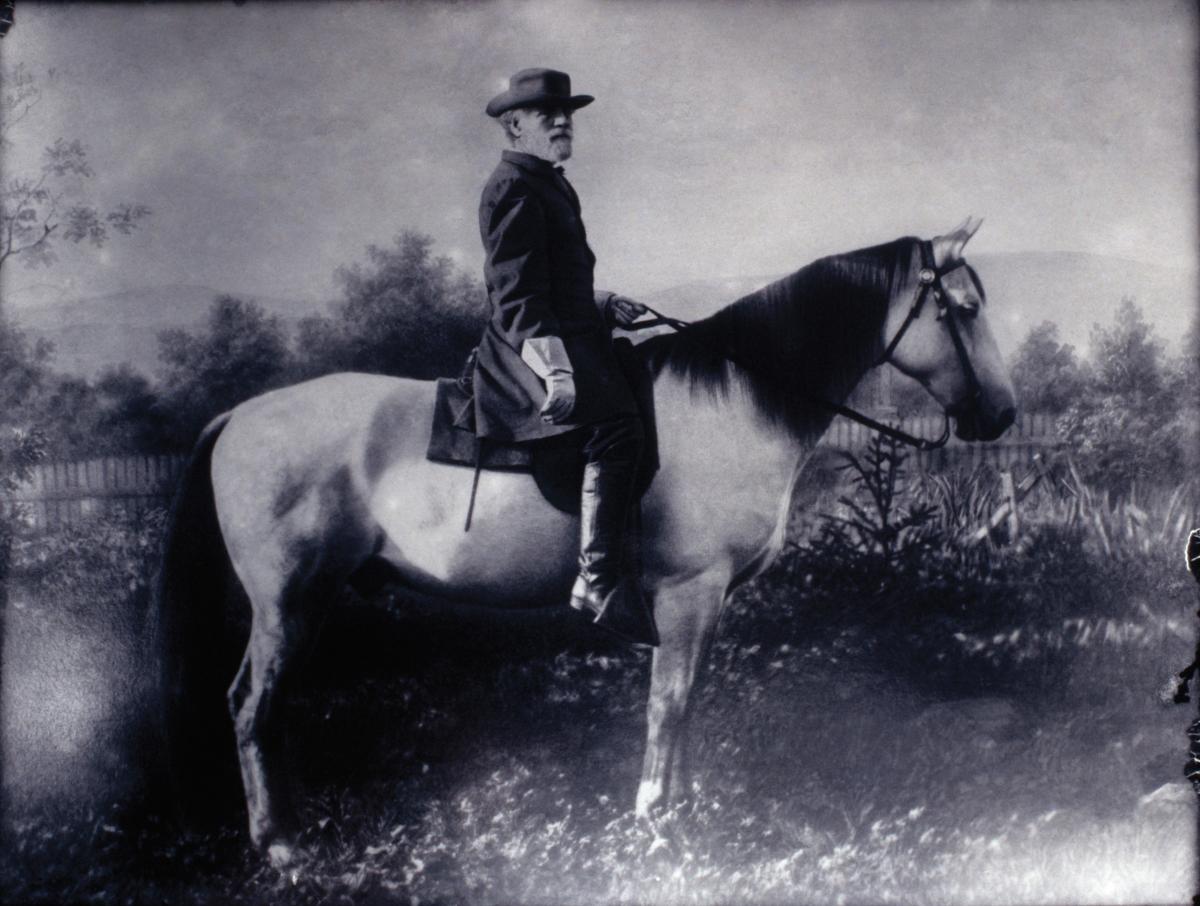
<point x="687" y="618"/>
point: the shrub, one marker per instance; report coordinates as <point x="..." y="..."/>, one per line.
<point x="105" y="564"/>
<point x="897" y="572"/>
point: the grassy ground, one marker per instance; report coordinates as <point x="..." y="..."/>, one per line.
<point x="993" y="739"/>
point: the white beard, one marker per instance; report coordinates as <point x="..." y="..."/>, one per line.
<point x="541" y="145"/>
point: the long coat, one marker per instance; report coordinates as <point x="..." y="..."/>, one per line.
<point x="538" y="272"/>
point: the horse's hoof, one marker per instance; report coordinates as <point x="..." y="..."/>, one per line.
<point x="658" y="828"/>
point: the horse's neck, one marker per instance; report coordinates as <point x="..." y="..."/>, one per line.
<point x="811" y="410"/>
<point x="733" y="415"/>
<point x="723" y="493"/>
<point x="725" y="439"/>
<point x="808" y="366"/>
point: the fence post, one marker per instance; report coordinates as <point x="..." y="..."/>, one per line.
<point x="1009" y="490"/>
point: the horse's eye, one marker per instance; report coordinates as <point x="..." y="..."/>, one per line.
<point x="969" y="309"/>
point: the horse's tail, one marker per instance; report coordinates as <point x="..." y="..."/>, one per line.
<point x="195" y="640"/>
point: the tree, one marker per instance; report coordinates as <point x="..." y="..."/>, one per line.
<point x="404" y="312"/>
<point x="66" y="414"/>
<point x="1127" y="356"/>
<point x="130" y="417"/>
<point x="321" y="347"/>
<point x="23" y="369"/>
<point x="1182" y="388"/>
<point x="117" y="414"/>
<point x="22" y="373"/>
<point x="242" y="352"/>
<point x="33" y="207"/>
<point x="1047" y="375"/>
<point x="1129" y="428"/>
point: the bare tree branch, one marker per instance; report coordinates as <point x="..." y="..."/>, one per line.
<point x="20" y="97"/>
<point x="30" y="209"/>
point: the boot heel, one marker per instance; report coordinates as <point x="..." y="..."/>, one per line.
<point x="604" y="589"/>
<point x="579" y="598"/>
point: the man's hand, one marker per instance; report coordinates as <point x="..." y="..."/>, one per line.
<point x="560" y="397"/>
<point x="547" y="358"/>
<point x="623" y="311"/>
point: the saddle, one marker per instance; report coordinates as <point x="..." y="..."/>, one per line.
<point x="556" y="463"/>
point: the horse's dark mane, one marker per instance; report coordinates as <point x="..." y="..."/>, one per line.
<point x="814" y="332"/>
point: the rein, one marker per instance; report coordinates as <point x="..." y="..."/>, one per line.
<point x="929" y="282"/>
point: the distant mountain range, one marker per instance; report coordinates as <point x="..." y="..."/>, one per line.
<point x="93" y="332"/>
<point x="1073" y="289"/>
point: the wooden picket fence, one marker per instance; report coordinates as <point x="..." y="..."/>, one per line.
<point x="66" y="493"/>
<point x="1031" y="434"/>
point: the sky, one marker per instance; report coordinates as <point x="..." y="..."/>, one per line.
<point x="274" y="142"/>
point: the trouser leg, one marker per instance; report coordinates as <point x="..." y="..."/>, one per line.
<point x="607" y="586"/>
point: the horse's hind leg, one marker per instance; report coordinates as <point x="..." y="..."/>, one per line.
<point x="283" y="628"/>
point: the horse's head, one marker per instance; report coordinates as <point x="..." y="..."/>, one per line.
<point x="937" y="332"/>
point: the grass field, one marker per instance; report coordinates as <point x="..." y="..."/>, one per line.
<point x="982" y="725"/>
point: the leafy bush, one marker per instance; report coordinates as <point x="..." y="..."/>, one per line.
<point x="882" y="536"/>
<point x="899" y="572"/>
<point x="102" y="565"/>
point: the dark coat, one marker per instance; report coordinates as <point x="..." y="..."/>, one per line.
<point x="539" y="281"/>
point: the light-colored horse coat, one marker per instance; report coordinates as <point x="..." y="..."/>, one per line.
<point x="310" y="481"/>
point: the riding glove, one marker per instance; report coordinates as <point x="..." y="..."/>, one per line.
<point x="547" y="357"/>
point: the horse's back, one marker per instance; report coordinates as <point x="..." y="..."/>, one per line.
<point x="338" y="464"/>
<point x="318" y="430"/>
<point x="334" y="405"/>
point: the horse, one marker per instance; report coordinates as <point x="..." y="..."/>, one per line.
<point x="291" y="493"/>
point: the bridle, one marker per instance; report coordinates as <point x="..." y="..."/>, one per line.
<point x="929" y="283"/>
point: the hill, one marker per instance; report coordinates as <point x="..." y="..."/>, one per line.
<point x="93" y="332"/>
<point x="1073" y="289"/>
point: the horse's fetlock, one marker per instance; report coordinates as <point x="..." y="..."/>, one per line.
<point x="649" y="795"/>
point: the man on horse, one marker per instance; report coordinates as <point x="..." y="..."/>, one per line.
<point x="545" y="365"/>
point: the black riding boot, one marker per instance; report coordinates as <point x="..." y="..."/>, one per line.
<point x="606" y="587"/>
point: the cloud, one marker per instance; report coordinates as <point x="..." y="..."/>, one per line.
<point x="275" y="141"/>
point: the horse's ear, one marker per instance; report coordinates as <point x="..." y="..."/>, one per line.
<point x="949" y="248"/>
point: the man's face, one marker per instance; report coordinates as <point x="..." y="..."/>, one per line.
<point x="545" y="132"/>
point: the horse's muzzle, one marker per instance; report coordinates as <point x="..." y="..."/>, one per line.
<point x="971" y="424"/>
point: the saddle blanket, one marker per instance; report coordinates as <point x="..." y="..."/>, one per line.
<point x="555" y="463"/>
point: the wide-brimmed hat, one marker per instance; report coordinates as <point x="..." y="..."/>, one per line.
<point x="535" y="88"/>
